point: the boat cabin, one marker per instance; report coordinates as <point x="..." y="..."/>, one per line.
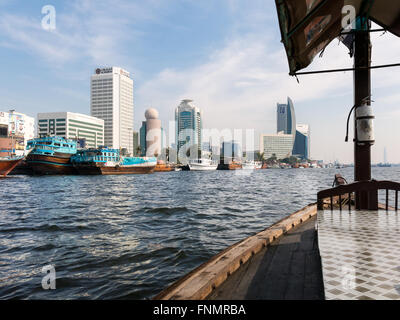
<point x="50" y="145"/>
<point x="101" y="155"/>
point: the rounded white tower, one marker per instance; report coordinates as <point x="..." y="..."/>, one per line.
<point x="153" y="133"/>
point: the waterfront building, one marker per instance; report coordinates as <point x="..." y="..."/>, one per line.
<point x="19" y="127"/>
<point x="111" y="99"/>
<point x="279" y="145"/>
<point x="188" y="119"/>
<point x="301" y="148"/>
<point x="282" y="143"/>
<point x="231" y="151"/>
<point x="135" y="137"/>
<point x="205" y="146"/>
<point x="151" y="134"/>
<point x="286" y="118"/>
<point x="70" y="125"/>
<point x="142" y="133"/>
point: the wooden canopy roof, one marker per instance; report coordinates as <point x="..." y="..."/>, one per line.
<point x="308" y="26"/>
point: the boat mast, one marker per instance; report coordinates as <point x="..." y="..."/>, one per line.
<point x="362" y="97"/>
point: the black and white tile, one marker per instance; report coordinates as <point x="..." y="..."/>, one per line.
<point x="360" y="252"/>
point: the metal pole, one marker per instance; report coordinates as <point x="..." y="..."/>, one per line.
<point x="362" y="92"/>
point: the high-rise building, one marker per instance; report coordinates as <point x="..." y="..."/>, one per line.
<point x="135" y="136"/>
<point x="189" y="125"/>
<point x="19" y="127"/>
<point x="71" y="125"/>
<point x="142" y="133"/>
<point x="111" y="99"/>
<point x="301" y="148"/>
<point x="286" y="118"/>
<point x="279" y="145"/>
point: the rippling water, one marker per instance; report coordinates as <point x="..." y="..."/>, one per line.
<point x="128" y="237"/>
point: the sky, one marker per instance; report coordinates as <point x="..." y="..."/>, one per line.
<point x="226" y="55"/>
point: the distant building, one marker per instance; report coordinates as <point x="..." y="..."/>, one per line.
<point x="252" y="155"/>
<point x="188" y="120"/>
<point x="385" y="161"/>
<point x="135" y="136"/>
<point x="71" y="125"/>
<point x="280" y="145"/>
<point x="301" y="148"/>
<point x="286" y="118"/>
<point x="153" y="133"/>
<point x="142" y="137"/>
<point x="111" y="99"/>
<point x="231" y="150"/>
<point x="205" y="146"/>
<point x="18" y="126"/>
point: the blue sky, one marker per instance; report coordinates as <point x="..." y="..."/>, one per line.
<point x="226" y="55"/>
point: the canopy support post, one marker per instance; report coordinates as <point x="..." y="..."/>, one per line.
<point x="362" y="95"/>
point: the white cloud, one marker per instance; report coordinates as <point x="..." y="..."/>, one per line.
<point x="239" y="86"/>
<point x="93" y="30"/>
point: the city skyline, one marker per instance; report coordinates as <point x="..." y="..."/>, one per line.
<point x="234" y="67"/>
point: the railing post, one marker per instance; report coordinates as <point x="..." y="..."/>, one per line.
<point x="387" y="200"/>
<point x="320" y="204"/>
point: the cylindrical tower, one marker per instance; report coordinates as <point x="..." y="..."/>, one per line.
<point x="153" y="133"/>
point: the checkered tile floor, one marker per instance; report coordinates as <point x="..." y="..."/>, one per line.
<point x="360" y="254"/>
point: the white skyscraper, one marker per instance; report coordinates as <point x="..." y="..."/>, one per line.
<point x="111" y="99"/>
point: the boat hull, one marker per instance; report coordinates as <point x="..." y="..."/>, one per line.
<point x="194" y="167"/>
<point x="7" y="165"/>
<point x="230" y="166"/>
<point x="163" y="168"/>
<point x="101" y="169"/>
<point x="59" y="164"/>
<point x="251" y="166"/>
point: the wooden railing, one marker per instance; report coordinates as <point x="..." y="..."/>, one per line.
<point x="343" y="195"/>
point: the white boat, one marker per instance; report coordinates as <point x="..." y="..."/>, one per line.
<point x="202" y="165"/>
<point x="251" y="165"/>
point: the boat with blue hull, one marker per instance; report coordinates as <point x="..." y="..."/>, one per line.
<point x="105" y="161"/>
<point x="51" y="155"/>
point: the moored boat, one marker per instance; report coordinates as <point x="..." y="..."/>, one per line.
<point x="8" y="159"/>
<point x="51" y="155"/>
<point x="251" y="165"/>
<point x="7" y="164"/>
<point x="105" y="161"/>
<point x="163" y="167"/>
<point x="234" y="165"/>
<point x="202" y="165"/>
